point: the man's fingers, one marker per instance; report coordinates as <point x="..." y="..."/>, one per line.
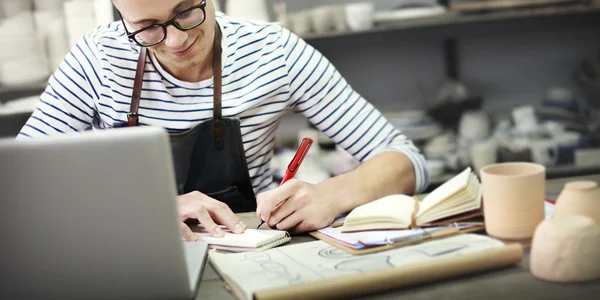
<point x="268" y="204"/>
<point x="289" y="222"/>
<point x="207" y="222"/>
<point x="259" y="199"/>
<point x="224" y="215"/>
<point x="304" y="226"/>
<point x="186" y="233"/>
<point x="282" y="211"/>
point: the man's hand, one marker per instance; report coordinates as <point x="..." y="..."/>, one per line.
<point x="209" y="212"/>
<point x="297" y="207"/>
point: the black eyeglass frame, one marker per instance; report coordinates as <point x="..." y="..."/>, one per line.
<point x="131" y="35"/>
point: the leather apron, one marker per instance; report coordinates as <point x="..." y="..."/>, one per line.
<point x="210" y="157"/>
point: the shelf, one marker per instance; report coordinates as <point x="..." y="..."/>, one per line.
<point x="8" y="93"/>
<point x="562" y="171"/>
<point x="40" y="86"/>
<point x="455" y="18"/>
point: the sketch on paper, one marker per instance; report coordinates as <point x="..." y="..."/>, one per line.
<point x="306" y="262"/>
<point x="333" y="252"/>
<point x="366" y="264"/>
<point x="269" y="267"/>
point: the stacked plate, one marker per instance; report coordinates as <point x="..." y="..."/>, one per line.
<point x="51" y="27"/>
<point x="80" y="18"/>
<point x="22" y="59"/>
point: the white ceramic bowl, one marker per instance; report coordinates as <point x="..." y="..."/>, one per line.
<point x="436" y="167"/>
<point x="359" y="16"/>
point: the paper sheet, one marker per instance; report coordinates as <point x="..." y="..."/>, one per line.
<point x="548" y="209"/>
<point x="363" y="239"/>
<point x="247" y="273"/>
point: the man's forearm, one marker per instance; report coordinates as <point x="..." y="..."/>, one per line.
<point x="385" y="174"/>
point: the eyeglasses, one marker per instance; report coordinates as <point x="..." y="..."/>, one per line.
<point x="156" y="33"/>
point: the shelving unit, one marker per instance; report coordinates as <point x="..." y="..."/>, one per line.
<point x="451" y="27"/>
<point x="450" y="18"/>
<point x="455" y="18"/>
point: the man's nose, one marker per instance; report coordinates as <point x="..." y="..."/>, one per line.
<point x="175" y="37"/>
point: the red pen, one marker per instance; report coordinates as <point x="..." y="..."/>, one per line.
<point x="293" y="167"/>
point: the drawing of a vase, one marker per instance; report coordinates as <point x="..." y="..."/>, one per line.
<point x="362" y="265"/>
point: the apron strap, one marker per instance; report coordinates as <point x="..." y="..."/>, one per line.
<point x="217" y="90"/>
<point x="132" y="116"/>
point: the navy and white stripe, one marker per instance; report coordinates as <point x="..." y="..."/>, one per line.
<point x="268" y="71"/>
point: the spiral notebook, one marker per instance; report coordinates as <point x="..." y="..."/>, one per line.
<point x="250" y="240"/>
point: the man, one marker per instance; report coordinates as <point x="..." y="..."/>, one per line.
<point x="220" y="86"/>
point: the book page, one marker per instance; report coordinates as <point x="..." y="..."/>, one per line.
<point x="394" y="211"/>
<point x="247" y="273"/>
<point x="464" y="201"/>
<point x="445" y="191"/>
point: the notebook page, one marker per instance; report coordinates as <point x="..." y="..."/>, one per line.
<point x="251" y="238"/>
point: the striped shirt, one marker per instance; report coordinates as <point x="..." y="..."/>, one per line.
<point x="267" y="72"/>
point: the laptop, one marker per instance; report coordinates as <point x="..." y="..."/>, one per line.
<point x="93" y="215"/>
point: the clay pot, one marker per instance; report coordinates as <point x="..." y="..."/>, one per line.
<point x="580" y="198"/>
<point x="565" y="248"/>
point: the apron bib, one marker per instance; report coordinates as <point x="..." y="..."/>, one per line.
<point x="210" y="157"/>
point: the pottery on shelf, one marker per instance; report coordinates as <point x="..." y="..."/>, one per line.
<point x="252" y="10"/>
<point x="580" y="198"/>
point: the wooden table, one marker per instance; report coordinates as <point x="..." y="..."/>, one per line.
<point x="511" y="283"/>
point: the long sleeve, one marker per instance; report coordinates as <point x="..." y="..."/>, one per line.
<point x="320" y="92"/>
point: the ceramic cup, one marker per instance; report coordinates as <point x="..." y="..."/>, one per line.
<point x="474" y="126"/>
<point x="525" y="118"/>
<point x="513" y="199"/>
<point x="579" y="198"/>
<point x="544" y="151"/>
<point x="483" y="154"/>
<point x="301" y="22"/>
<point x="322" y="19"/>
<point x="338" y="14"/>
<point x="360" y="15"/>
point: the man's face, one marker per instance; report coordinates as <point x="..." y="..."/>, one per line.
<point x="180" y="49"/>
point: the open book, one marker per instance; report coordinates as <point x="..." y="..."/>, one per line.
<point x="250" y="240"/>
<point x="459" y="195"/>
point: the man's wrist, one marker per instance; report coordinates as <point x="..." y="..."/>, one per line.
<point x="346" y="192"/>
<point x="386" y="173"/>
